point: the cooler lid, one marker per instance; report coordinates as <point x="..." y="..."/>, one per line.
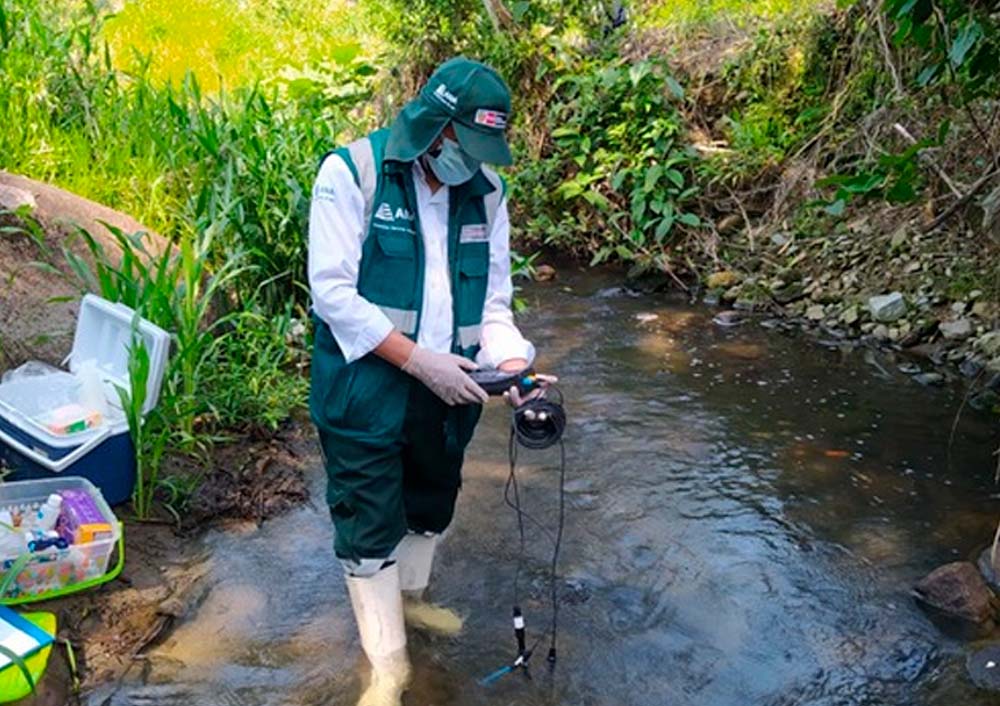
<point x="104" y="335"/>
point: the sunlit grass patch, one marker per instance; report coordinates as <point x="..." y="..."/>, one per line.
<point x="683" y="13"/>
<point x="226" y="43"/>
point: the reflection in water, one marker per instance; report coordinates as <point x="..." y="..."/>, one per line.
<point x="747" y="512"/>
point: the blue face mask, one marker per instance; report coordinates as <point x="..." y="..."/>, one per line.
<point x="452" y="166"/>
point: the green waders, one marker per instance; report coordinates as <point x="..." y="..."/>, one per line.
<point x="393" y="449"/>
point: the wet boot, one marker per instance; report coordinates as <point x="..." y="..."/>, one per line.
<point x="415" y="556"/>
<point x="378" y="608"/>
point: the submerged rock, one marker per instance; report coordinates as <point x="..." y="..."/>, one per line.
<point x="983" y="666"/>
<point x="728" y="318"/>
<point x="545" y="273"/>
<point x="959" y="592"/>
<point x="887" y="307"/>
<point x="985" y="401"/>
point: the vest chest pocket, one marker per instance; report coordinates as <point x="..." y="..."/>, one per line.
<point x="473" y="269"/>
<point x="389" y="275"/>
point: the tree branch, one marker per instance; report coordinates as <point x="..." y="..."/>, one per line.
<point x="973" y="190"/>
<point x="926" y="157"/>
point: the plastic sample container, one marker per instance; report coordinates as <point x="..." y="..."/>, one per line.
<point x="103" y="454"/>
<point x="29" y="577"/>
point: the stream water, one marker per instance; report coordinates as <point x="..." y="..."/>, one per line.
<point x="747" y="511"/>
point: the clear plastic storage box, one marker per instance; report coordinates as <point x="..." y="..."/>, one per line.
<point x="56" y="572"/>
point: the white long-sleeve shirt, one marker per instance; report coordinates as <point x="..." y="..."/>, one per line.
<point x="336" y="233"/>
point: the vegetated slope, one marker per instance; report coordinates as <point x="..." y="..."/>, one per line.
<point x="832" y="169"/>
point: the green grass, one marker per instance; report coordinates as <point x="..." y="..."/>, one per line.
<point x="226" y="175"/>
<point x="706" y="13"/>
<point x="227" y="44"/>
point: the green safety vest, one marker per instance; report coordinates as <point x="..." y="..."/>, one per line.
<point x="391" y="275"/>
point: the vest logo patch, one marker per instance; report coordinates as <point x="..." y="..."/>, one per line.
<point x="474" y="233"/>
<point x="404" y="214"/>
<point x="384" y="212"/>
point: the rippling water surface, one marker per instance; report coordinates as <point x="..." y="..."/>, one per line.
<point x="747" y="511"/>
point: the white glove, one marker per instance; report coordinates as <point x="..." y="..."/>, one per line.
<point x="445" y="376"/>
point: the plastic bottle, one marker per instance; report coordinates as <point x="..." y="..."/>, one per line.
<point x="92" y="395"/>
<point x="48" y="514"/>
<point x="11" y="541"/>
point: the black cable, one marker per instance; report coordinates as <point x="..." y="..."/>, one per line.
<point x="556" y="549"/>
<point x="540" y="429"/>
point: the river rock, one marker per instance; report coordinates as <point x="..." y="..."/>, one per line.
<point x="899" y="239"/>
<point x="958" y="591"/>
<point x="789" y="293"/>
<point x="887" y="307"/>
<point x="989" y="344"/>
<point x="985" y="565"/>
<point x="545" y="273"/>
<point x="957" y="330"/>
<point x="817" y="312"/>
<point x="881" y="332"/>
<point x="728" y="318"/>
<point x="971" y="367"/>
<point x="929" y="379"/>
<point x="984" y="310"/>
<point x="983" y="666"/>
<point x="722" y="280"/>
<point x="985" y="401"/>
<point x="12" y="198"/>
<point x="39" y="306"/>
<point x="850" y="315"/>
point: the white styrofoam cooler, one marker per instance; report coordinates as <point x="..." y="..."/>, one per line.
<point x="103" y="454"/>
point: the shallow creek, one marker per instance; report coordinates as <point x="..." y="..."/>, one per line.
<point x="747" y="511"/>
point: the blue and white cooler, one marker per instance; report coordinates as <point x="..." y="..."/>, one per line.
<point x="94" y="445"/>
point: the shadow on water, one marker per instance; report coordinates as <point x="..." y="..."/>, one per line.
<point x="747" y="512"/>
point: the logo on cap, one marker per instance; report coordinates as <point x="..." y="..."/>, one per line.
<point x="491" y="118"/>
<point x="445" y="96"/>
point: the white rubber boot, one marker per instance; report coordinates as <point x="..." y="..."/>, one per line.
<point x="415" y="556"/>
<point x="378" y="608"/>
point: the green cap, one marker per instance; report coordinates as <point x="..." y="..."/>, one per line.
<point x="466" y="93"/>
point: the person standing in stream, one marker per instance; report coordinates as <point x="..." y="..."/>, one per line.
<point x="409" y="270"/>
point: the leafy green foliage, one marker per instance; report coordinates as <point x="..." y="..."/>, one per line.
<point x="778" y="93"/>
<point x="895" y="177"/>
<point x="149" y="439"/>
<point x="256" y="369"/>
<point x="618" y="180"/>
<point x="238" y="163"/>
<point x="958" y="43"/>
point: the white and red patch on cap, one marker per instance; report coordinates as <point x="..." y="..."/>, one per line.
<point x="491" y="118"/>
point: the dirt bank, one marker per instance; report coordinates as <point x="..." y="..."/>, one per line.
<point x="38" y="299"/>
